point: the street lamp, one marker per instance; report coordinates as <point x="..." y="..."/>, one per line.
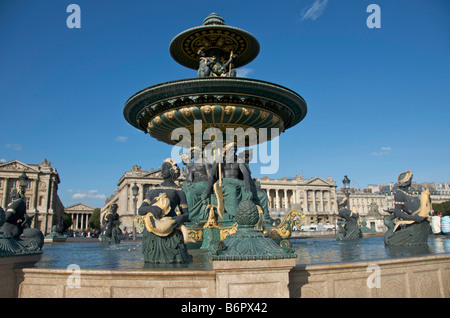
<point x="346" y="183"/>
<point x="23" y="183"/>
<point x="135" y="190"/>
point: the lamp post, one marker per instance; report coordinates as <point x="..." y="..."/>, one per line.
<point x="23" y="179"/>
<point x="346" y="183"/>
<point x="135" y="190"/>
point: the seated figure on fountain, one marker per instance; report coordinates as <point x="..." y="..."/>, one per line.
<point x="196" y="183"/>
<point x="16" y="234"/>
<point x="211" y="66"/>
<point x="260" y="197"/>
<point x="111" y="232"/>
<point x="408" y="225"/>
<point x="348" y="223"/>
<point x="236" y="182"/>
<point x="168" y="247"/>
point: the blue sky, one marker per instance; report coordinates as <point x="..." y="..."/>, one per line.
<point x="378" y="99"/>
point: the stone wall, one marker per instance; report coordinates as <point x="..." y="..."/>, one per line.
<point x="418" y="277"/>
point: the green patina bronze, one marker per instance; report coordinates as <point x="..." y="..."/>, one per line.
<point x="248" y="243"/>
<point x="16" y="235"/>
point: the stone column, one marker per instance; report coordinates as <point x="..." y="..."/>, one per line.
<point x="5" y="193"/>
<point x="286" y="202"/>
<point x="321" y="200"/>
<point x="277" y="203"/>
<point x="305" y="196"/>
<point x="314" y="200"/>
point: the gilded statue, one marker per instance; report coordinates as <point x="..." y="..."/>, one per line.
<point x="408" y="223"/>
<point x="163" y="240"/>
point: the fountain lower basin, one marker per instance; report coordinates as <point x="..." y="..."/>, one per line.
<point x="324" y="268"/>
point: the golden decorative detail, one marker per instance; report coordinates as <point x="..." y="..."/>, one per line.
<point x="186" y="111"/>
<point x="157" y="120"/>
<point x="170" y="114"/>
<point x="264" y="114"/>
<point x="206" y="109"/>
<point x="161" y="226"/>
<point x="423" y="211"/>
<point x="196" y="234"/>
<point x="284" y="229"/>
<point x="248" y="111"/>
<point x="408" y="175"/>
<point x="229" y="109"/>
<point x="139" y="223"/>
<point x="224" y="232"/>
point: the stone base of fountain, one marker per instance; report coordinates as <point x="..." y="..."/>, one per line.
<point x="10" y="272"/>
<point x="415" y="277"/>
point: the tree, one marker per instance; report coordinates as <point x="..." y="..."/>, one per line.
<point x="67" y="221"/>
<point x="443" y="207"/>
<point x="94" y="219"/>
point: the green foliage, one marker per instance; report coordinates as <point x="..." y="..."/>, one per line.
<point x="94" y="219"/>
<point x="67" y="221"/>
<point x="443" y="207"/>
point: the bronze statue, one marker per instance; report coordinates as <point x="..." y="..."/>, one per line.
<point x="205" y="64"/>
<point x="408" y="223"/>
<point x="236" y="181"/>
<point x="348" y="228"/>
<point x="196" y="183"/>
<point x="111" y="230"/>
<point x="170" y="248"/>
<point x="16" y="234"/>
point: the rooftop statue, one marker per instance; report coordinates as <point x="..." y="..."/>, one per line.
<point x="408" y="223"/>
<point x="163" y="242"/>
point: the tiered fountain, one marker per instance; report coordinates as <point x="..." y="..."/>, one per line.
<point x="217" y="101"/>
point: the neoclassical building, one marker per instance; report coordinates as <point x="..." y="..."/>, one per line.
<point x="41" y="194"/>
<point x="316" y="197"/>
<point x="80" y="214"/>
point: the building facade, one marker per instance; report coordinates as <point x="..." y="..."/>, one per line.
<point x="316" y="197"/>
<point x="80" y="214"/>
<point x="41" y="195"/>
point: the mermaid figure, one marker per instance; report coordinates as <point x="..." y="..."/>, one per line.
<point x="169" y="245"/>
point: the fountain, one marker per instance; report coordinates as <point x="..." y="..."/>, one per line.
<point x="241" y="254"/>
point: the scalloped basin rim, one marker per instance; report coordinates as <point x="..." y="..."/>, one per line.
<point x="204" y="86"/>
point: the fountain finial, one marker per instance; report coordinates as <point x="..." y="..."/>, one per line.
<point x="214" y="19"/>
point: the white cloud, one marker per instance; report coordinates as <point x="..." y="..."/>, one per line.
<point x="121" y="138"/>
<point x="315" y="10"/>
<point x="86" y="194"/>
<point x="2" y="160"/>
<point x="383" y="151"/>
<point x="14" y="146"/>
<point x="243" y="72"/>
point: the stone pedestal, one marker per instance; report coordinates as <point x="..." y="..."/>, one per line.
<point x="8" y="277"/>
<point x="253" y="279"/>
